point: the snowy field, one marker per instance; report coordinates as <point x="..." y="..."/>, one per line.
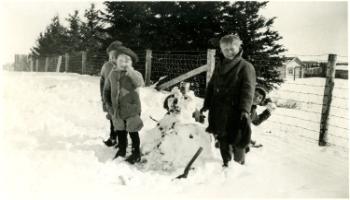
<point x="53" y="127"/>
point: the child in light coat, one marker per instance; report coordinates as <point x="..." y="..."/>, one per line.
<point x="123" y="101"/>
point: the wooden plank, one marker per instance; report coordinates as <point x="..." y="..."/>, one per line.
<point x="183" y="77"/>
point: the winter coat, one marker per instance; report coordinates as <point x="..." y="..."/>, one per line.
<point x="106" y="69"/>
<point x="123" y="100"/>
<point x="230" y="92"/>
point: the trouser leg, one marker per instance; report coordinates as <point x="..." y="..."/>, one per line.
<point x="135" y="155"/>
<point x="239" y="155"/>
<point x="113" y="133"/>
<point x="123" y="143"/>
<point x="135" y="139"/>
<point x="225" y="150"/>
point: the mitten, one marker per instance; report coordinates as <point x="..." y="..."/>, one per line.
<point x="271" y="107"/>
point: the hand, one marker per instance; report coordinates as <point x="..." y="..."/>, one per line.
<point x="203" y="110"/>
<point x="265" y="102"/>
<point x="109" y="110"/>
<point x="244" y="116"/>
<point x="271" y="107"/>
<point x="129" y="70"/>
<point x="198" y="116"/>
<point x="104" y="107"/>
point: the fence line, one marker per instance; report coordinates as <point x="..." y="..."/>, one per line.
<point x="174" y="64"/>
<point x="293" y="125"/>
<point x="307" y="120"/>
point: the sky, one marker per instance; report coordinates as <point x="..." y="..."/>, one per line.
<point x="307" y="27"/>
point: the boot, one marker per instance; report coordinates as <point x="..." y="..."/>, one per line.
<point x="134" y="157"/>
<point x="112" y="140"/>
<point x="123" y="143"/>
<point x="120" y="153"/>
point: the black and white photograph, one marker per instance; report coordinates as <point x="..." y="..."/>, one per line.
<point x="174" y="100"/>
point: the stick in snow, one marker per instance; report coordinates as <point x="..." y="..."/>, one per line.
<point x="188" y="167"/>
<point x="153" y="119"/>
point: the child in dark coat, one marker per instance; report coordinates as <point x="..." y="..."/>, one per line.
<point x="261" y="100"/>
<point x="229" y="97"/>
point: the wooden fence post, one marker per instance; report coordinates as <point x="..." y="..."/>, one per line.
<point x="37" y="64"/>
<point x="16" y="63"/>
<point x="31" y="64"/>
<point x="46" y="64"/>
<point x="327" y="99"/>
<point x="83" y="62"/>
<point x="148" y="67"/>
<point x="210" y="64"/>
<point x="59" y="63"/>
<point x="66" y="57"/>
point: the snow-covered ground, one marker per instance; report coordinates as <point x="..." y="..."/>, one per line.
<point x="53" y="127"/>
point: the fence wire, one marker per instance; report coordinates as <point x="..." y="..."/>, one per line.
<point x="174" y="64"/>
<point x="300" y="101"/>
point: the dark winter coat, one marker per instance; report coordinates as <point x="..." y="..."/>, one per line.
<point x="106" y="69"/>
<point x="123" y="100"/>
<point x="229" y="93"/>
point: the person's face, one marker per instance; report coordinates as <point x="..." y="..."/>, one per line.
<point x="258" y="97"/>
<point x="123" y="61"/>
<point x="111" y="56"/>
<point x="230" y="50"/>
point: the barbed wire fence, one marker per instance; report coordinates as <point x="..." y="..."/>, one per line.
<point x="169" y="65"/>
<point x="301" y="104"/>
<point x="300" y="99"/>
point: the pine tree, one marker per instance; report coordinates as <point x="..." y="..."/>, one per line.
<point x="163" y="25"/>
<point x="126" y="20"/>
<point x="92" y="31"/>
<point x="74" y="32"/>
<point x="260" y="41"/>
<point x="53" y="41"/>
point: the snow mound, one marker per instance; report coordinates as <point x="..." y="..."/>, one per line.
<point x="173" y="142"/>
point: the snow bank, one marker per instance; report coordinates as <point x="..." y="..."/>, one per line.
<point x="51" y="148"/>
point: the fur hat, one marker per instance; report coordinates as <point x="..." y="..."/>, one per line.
<point x="113" y="46"/>
<point x="262" y="91"/>
<point x="127" y="51"/>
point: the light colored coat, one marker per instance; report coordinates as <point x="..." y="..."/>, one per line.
<point x="122" y="99"/>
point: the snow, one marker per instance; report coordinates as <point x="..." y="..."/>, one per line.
<point x="53" y="127"/>
<point x="341" y="67"/>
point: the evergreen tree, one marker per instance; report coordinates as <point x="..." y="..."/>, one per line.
<point x="127" y="22"/>
<point x="163" y="25"/>
<point x="53" y="41"/>
<point x="74" y="32"/>
<point x="92" y="31"/>
<point x="190" y="25"/>
<point x="260" y="42"/>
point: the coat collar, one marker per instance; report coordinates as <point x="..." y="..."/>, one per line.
<point x="229" y="64"/>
